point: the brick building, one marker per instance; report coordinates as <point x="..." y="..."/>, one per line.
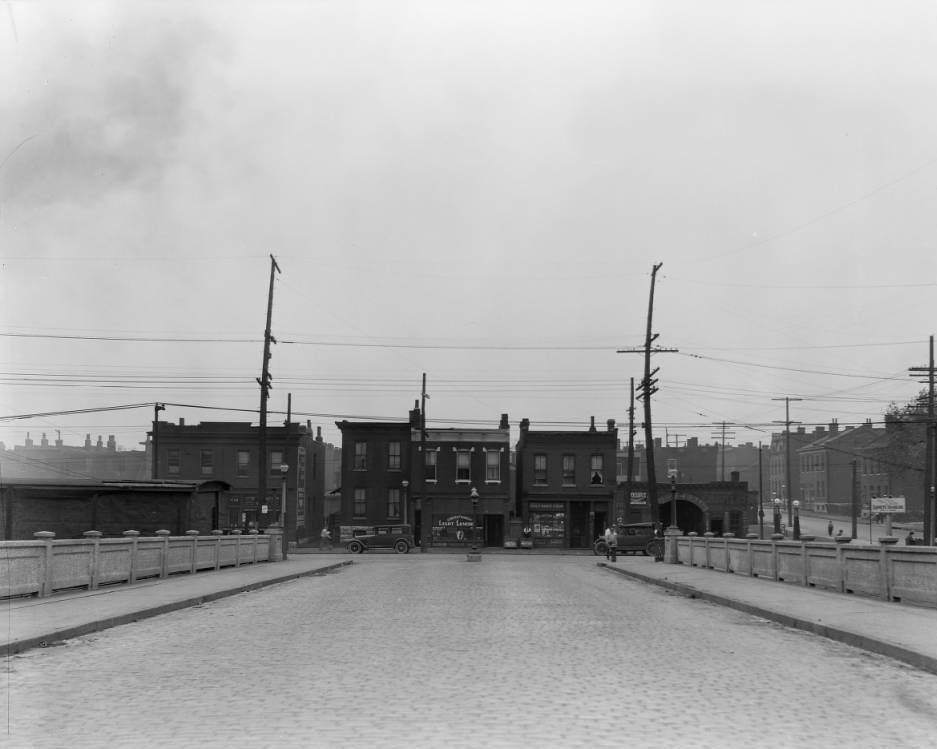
<point x="229" y="452"/>
<point x="98" y="461"/>
<point x="566" y="483"/>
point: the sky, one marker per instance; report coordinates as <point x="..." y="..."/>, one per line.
<point x="477" y="191"/>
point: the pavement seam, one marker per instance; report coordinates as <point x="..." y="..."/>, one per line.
<point x="864" y="642"/>
<point x="28" y="643"/>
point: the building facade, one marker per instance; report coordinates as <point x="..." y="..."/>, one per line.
<point x="98" y="461"/>
<point x="230" y="452"/>
<point x="566" y="484"/>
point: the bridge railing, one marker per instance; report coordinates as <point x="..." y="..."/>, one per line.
<point x="887" y="571"/>
<point x="46" y="564"/>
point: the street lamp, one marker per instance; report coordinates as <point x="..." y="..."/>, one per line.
<point x="777" y="516"/>
<point x="673" y="501"/>
<point x="474" y="496"/>
<point x="796" y="520"/>
<point x="284" y="468"/>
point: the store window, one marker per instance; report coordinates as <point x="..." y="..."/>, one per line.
<point x="597" y="475"/>
<point x="174" y="458"/>
<point x="547" y="519"/>
<point x="393" y="504"/>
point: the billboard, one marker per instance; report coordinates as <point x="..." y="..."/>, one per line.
<point x="882" y="505"/>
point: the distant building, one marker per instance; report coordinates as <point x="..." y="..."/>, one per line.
<point x="92" y="462"/>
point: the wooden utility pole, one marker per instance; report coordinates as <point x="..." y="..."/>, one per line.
<point x="648" y="387"/>
<point x="930" y="508"/>
<point x="723" y="435"/>
<point x="154" y="444"/>
<point x="787" y="460"/>
<point x="424" y="504"/>
<point x="629" y="482"/>
<point x="761" y="494"/>
<point x="264" y="382"/>
<point x="855" y="503"/>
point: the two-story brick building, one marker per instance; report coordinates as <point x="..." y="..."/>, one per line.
<point x="566" y="483"/>
<point x="230" y="451"/>
<point x="392" y="472"/>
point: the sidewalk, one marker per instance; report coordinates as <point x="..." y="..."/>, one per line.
<point x="37" y="622"/>
<point x="905" y="633"/>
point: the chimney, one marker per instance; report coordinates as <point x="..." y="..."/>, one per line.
<point x="318" y="434"/>
<point x="58" y="440"/>
<point x="692" y="442"/>
<point x="43" y="442"/>
<point x="611" y="425"/>
<point x="181" y="422"/>
<point x="309" y="425"/>
<point x="592" y="425"/>
<point x="504" y="422"/>
<point x="29" y="442"/>
<point x="657" y="442"/>
<point x="415" y="415"/>
<point x="111" y="443"/>
<point x="525" y="425"/>
<point x="834" y="426"/>
<point x="801" y="430"/>
<point x="87" y="440"/>
<point x="100" y="441"/>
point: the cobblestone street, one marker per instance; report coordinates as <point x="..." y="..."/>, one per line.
<point x="431" y="651"/>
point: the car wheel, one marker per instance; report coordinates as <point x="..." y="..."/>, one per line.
<point x="401" y="547"/>
<point x="651" y="549"/>
<point x="600" y="548"/>
<point x="355" y="547"/>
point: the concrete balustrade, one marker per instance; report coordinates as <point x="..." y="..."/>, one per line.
<point x="887" y="571"/>
<point x="46" y="564"/>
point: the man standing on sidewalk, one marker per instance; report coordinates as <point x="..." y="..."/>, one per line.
<point x="829" y="529"/>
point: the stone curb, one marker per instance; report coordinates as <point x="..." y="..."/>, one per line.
<point x="40" y="641"/>
<point x="864" y="642"/>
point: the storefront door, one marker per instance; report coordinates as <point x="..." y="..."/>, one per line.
<point x="580" y="532"/>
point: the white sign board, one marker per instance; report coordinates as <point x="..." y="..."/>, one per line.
<point x="887" y="505"/>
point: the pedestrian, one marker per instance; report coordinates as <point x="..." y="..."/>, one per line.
<point x="613" y="542"/>
<point x="839" y="532"/>
<point x="609" y="532"/>
<point x="829" y="528"/>
<point x="909" y="540"/>
<point x="325" y="539"/>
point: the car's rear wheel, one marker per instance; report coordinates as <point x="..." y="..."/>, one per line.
<point x="651" y="549"/>
<point x="401" y="547"/>
<point x="600" y="548"/>
<point x="355" y="547"/>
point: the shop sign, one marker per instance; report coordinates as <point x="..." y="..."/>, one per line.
<point x="639" y="498"/>
<point x="547" y="506"/>
<point x="453" y="528"/>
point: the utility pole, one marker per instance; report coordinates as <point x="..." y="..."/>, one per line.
<point x="730" y="435"/>
<point x="648" y="387"/>
<point x="787" y="447"/>
<point x="930" y="509"/>
<point x="761" y="494"/>
<point x="157" y="407"/>
<point x="424" y="508"/>
<point x="855" y="502"/>
<point x="264" y="382"/>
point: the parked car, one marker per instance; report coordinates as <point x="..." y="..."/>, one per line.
<point x="632" y="538"/>
<point x="396" y="537"/>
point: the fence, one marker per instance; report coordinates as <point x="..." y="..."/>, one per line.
<point x="887" y="571"/>
<point x="45" y="565"/>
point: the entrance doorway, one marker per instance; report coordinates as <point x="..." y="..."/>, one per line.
<point x="418" y="527"/>
<point x="580" y="530"/>
<point x="494" y="530"/>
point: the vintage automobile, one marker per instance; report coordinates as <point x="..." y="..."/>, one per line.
<point x="632" y="538"/>
<point x="396" y="537"/>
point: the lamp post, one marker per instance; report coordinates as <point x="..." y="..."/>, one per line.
<point x="474" y="496"/>
<point x="284" y="468"/>
<point x="403" y="506"/>
<point x="796" y="520"/>
<point x="673" y="501"/>
<point x="761" y="517"/>
<point x="777" y="516"/>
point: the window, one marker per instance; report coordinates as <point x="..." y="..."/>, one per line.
<point x="569" y="470"/>
<point x="207" y="462"/>
<point x="429" y="463"/>
<point x="361" y="456"/>
<point x="393" y="456"/>
<point x="597" y="473"/>
<point x="174" y="459"/>
<point x="360" y="509"/>
<point x="393" y="503"/>
<point x="243" y="462"/>
<point x="276" y="460"/>
<point x="540" y="468"/>
<point x="463" y="466"/>
<point x="493" y="466"/>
